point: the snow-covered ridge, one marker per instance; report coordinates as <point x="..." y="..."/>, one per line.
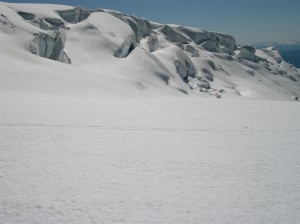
<point x="108" y="53"/>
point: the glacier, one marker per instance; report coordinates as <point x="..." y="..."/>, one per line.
<point x="124" y="49"/>
<point x="110" y="118"/>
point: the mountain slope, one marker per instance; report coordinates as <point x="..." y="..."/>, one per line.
<point x="110" y="54"/>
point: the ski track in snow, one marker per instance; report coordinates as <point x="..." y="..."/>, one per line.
<point x="24" y="125"/>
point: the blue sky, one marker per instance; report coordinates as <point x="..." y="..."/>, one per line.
<point x="248" y="21"/>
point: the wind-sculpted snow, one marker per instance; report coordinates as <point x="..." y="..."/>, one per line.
<point x="111" y="47"/>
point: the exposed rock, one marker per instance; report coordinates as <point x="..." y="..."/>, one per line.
<point x="75" y="15"/>
<point x="173" y="35"/>
<point x="248" y="53"/>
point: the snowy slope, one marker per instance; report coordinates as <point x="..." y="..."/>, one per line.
<point x="110" y="54"/>
<point x="110" y="118"/>
<point x="167" y="160"/>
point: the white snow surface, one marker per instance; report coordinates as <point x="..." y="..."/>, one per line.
<point x="149" y="160"/>
<point x="119" y="136"/>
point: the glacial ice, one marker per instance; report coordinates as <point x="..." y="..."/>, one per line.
<point x="75" y="15"/>
<point x="141" y="27"/>
<point x="173" y="35"/>
<point x="248" y="53"/>
<point x="153" y="42"/>
<point x="50" y="46"/>
<point x="184" y="65"/>
<point x="183" y="52"/>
